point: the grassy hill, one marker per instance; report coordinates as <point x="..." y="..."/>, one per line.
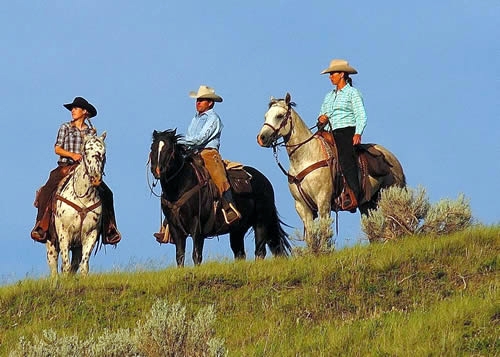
<point x="418" y="296"/>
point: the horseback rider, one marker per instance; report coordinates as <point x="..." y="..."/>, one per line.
<point x="344" y="111"/>
<point x="203" y="135"/>
<point x="68" y="146"/>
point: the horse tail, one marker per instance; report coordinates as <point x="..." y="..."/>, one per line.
<point x="285" y="248"/>
<point x="268" y="226"/>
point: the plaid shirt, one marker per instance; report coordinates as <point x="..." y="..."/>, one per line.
<point x="345" y="108"/>
<point x="70" y="138"/>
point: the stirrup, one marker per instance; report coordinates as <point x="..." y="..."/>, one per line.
<point x="231" y="215"/>
<point x="164" y="235"/>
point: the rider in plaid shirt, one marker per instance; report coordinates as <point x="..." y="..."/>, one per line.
<point x="68" y="144"/>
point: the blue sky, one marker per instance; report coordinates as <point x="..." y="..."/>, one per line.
<point x="429" y="72"/>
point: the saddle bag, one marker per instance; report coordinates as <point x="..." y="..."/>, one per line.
<point x="239" y="180"/>
<point x="375" y="161"/>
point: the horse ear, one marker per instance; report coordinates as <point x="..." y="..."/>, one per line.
<point x="272" y="99"/>
<point x="288" y="98"/>
<point x="103" y="135"/>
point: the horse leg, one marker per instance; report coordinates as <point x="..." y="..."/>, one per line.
<point x="76" y="258"/>
<point x="306" y="215"/>
<point x="88" y="245"/>
<point x="64" y="251"/>
<point x="236" y="240"/>
<point x="180" y="248"/>
<point x="198" y="243"/>
<point x="365" y="207"/>
<point x="52" y="257"/>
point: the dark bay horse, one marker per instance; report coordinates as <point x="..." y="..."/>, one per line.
<point x="313" y="178"/>
<point x="190" y="206"/>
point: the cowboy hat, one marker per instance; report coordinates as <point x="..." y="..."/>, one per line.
<point x="206" y="92"/>
<point x="339" y="65"/>
<point x="80" y="102"/>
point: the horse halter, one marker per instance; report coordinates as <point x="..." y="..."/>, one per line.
<point x="169" y="159"/>
<point x="284" y="122"/>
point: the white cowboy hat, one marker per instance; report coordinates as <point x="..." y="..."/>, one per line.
<point x="339" y="65"/>
<point x="206" y="92"/>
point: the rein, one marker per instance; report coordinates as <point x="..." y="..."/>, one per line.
<point x="297" y="180"/>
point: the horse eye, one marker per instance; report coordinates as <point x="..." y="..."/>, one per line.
<point x="279" y="116"/>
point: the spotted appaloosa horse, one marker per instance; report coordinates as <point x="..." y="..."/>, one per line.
<point x="312" y="176"/>
<point x="77" y="213"/>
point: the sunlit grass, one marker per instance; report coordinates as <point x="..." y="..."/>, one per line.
<point x="417" y="296"/>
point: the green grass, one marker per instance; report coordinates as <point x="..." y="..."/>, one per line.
<point x="419" y="296"/>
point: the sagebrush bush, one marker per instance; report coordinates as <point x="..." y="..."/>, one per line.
<point x="320" y="239"/>
<point x="403" y="211"/>
<point x="166" y="332"/>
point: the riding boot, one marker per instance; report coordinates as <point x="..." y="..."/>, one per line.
<point x="229" y="210"/>
<point x="39" y="232"/>
<point x="164" y="236"/>
<point x="351" y="190"/>
<point x="110" y="233"/>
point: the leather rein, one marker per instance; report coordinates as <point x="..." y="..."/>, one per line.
<point x="297" y="179"/>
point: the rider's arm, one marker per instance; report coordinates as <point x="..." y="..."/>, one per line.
<point x="65" y="153"/>
<point x="200" y="137"/>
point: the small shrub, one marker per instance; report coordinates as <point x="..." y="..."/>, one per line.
<point x="320" y="239"/>
<point x="403" y="211"/>
<point x="166" y="332"/>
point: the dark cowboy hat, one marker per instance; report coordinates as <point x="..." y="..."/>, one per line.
<point x="80" y="102"/>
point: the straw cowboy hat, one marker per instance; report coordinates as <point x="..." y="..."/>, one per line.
<point x="80" y="102"/>
<point x="205" y="92"/>
<point x="339" y="65"/>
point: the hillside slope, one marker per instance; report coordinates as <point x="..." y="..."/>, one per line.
<point x="418" y="296"/>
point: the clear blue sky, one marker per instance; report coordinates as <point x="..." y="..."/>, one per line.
<point x="429" y="72"/>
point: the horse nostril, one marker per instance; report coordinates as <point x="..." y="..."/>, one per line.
<point x="260" y="139"/>
<point x="157" y="171"/>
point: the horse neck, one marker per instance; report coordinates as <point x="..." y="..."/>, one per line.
<point x="80" y="183"/>
<point x="301" y="146"/>
<point x="180" y="178"/>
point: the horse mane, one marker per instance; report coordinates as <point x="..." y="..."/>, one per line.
<point x="274" y="101"/>
<point x="171" y="135"/>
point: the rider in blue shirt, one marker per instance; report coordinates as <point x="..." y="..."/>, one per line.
<point x="203" y="135"/>
<point x="343" y="109"/>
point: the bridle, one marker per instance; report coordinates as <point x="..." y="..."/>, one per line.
<point x="297" y="179"/>
<point x="102" y="160"/>
<point x="286" y="138"/>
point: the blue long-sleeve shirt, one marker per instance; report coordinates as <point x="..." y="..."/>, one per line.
<point x="204" y="131"/>
<point x="345" y="108"/>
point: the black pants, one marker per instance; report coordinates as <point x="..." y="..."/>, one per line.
<point x="347" y="158"/>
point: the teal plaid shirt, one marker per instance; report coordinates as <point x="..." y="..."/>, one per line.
<point x="345" y="108"/>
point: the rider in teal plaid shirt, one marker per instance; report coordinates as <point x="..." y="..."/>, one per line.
<point x="343" y="108"/>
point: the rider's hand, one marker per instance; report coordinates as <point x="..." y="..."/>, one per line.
<point x="76" y="157"/>
<point x="356" y="139"/>
<point x="322" y="121"/>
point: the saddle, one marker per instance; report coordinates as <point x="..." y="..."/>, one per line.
<point x="239" y="179"/>
<point x="371" y="162"/>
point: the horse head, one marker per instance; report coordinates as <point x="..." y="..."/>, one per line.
<point x="94" y="157"/>
<point x="164" y="149"/>
<point x="277" y="121"/>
